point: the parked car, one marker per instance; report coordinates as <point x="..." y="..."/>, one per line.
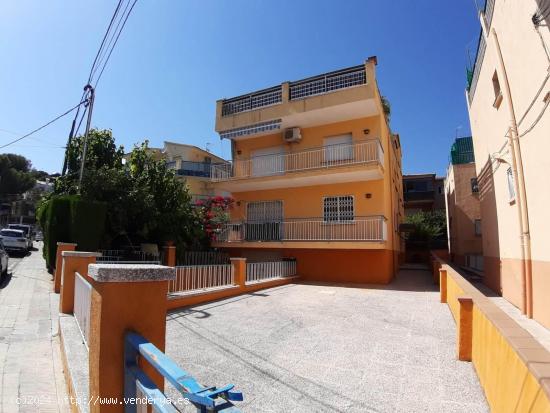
<point x="27" y="230"/>
<point x="39" y="236"/>
<point x="14" y="240"/>
<point x="3" y="260"/>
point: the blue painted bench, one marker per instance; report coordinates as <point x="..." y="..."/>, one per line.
<point x="205" y="399"/>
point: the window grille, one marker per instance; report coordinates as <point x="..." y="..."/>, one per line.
<point x="338" y="208"/>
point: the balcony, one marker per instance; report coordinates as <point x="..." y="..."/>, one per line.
<point x="370" y="228"/>
<point x="188" y="168"/>
<point x="419" y="196"/>
<point x="339" y="163"/>
<point x="328" y="98"/>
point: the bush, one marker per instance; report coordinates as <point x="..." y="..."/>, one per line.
<point x="70" y="219"/>
<point x="87" y="223"/>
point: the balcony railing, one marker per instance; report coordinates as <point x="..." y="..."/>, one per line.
<point x="482" y="45"/>
<point x="419" y="196"/>
<point x="329" y="82"/>
<point x="301" y="89"/>
<point x="188" y="168"/>
<point x="318" y="158"/>
<point x="253" y="101"/>
<point x="371" y="228"/>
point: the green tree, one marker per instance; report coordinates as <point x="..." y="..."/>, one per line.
<point x="145" y="201"/>
<point x="15" y="174"/>
<point x="428" y="226"/>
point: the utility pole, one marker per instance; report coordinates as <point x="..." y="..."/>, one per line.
<point x="90" y="89"/>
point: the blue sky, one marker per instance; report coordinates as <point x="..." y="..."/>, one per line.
<point x="177" y="57"/>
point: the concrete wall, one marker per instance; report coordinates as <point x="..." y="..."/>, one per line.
<point x="526" y="66"/>
<point x="463" y="208"/>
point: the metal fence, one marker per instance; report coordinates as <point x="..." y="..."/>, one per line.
<point x="201" y="277"/>
<point x="203" y="258"/>
<point x="253" y="101"/>
<point x="261" y="271"/>
<point x="307" y="229"/>
<point x="329" y="82"/>
<point x="82" y="303"/>
<point x="315" y="158"/>
<point x="129" y="257"/>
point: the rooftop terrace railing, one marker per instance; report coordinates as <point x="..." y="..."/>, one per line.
<point x="256" y="100"/>
<point x="329" y="82"/>
<point x="310" y="159"/>
<point x="301" y="89"/>
<point x="369" y="228"/>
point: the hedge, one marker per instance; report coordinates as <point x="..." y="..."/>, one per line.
<point x="71" y="219"/>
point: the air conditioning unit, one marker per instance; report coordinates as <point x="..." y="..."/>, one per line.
<point x="292" y="135"/>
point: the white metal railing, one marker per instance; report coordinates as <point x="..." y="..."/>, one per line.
<point x="329" y="82"/>
<point x="317" y="158"/>
<point x="201" y="277"/>
<point x="253" y="101"/>
<point x="261" y="271"/>
<point x="474" y="261"/>
<point x="82" y="302"/>
<point x="372" y="228"/>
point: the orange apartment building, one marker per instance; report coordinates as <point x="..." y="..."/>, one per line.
<point x="508" y="99"/>
<point x="316" y="175"/>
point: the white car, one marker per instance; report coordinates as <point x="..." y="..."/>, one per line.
<point x="3" y="260"/>
<point x="14" y="240"/>
<point x="27" y="232"/>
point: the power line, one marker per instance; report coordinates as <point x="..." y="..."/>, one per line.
<point x="92" y="69"/>
<point x="114" y="44"/>
<point x="43" y="126"/>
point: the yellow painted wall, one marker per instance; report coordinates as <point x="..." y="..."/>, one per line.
<point x="386" y="194"/>
<point x="311" y="137"/>
<point x="510" y="385"/>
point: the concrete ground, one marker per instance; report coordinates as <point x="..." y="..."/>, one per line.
<point x="327" y="348"/>
<point x="31" y="375"/>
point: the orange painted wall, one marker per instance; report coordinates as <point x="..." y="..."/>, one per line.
<point x="307" y="202"/>
<point x="313" y="137"/>
<point x="346" y="266"/>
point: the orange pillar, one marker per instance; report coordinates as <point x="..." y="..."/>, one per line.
<point x="239" y="271"/>
<point x="443" y="285"/>
<point x="465" y="322"/>
<point x="61" y="246"/>
<point x="123" y="298"/>
<point x="73" y="262"/>
<point x="169" y="255"/>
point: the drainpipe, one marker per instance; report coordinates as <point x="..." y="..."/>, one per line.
<point x="519" y="179"/>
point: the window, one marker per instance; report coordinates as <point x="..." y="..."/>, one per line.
<point x="477" y="226"/>
<point x="497" y="90"/>
<point x="511" y="185"/>
<point x="474" y="185"/>
<point x="338" y="208"/>
<point x="338" y="148"/>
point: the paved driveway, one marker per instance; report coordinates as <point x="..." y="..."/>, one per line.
<point x="321" y="348"/>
